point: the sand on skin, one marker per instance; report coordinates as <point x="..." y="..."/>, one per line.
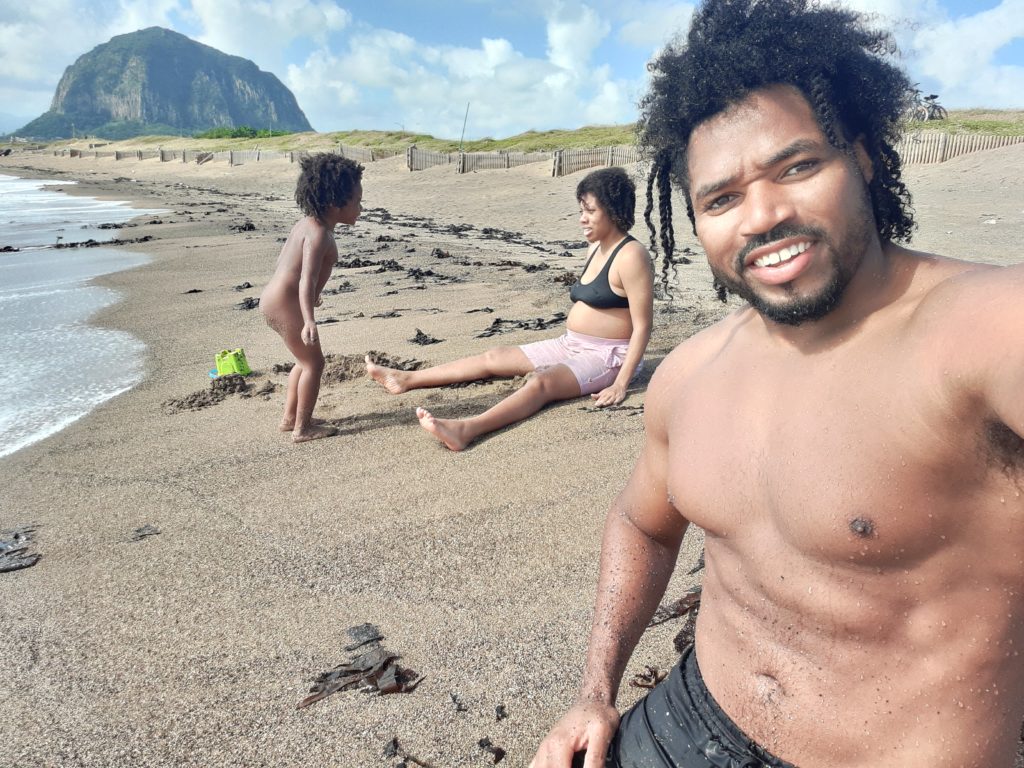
<point x="193" y="647"/>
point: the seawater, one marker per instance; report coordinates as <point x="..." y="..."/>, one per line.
<point x="54" y="366"/>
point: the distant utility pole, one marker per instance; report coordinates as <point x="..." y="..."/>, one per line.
<point x="464" y="119"/>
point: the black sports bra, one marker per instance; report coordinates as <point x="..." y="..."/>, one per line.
<point x="598" y="292"/>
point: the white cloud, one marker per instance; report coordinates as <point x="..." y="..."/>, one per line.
<point x="574" y="31"/>
<point x="39" y="39"/>
<point x="383" y="79"/>
<point x="954" y="52"/>
<point x="956" y="57"/>
<point x="652" y="24"/>
<point x="262" y="30"/>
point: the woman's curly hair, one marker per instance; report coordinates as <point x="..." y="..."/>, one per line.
<point x="614" y="192"/>
<point x="735" y="47"/>
<point x="326" y="179"/>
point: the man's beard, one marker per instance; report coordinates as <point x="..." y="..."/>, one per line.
<point x="843" y="261"/>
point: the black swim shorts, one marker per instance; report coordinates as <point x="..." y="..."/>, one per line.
<point x="680" y="725"/>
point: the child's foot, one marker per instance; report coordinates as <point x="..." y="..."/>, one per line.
<point x="287" y="425"/>
<point x="448" y="431"/>
<point x="392" y="379"/>
<point x="313" y="432"/>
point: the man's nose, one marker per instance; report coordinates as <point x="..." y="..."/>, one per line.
<point x="765" y="206"/>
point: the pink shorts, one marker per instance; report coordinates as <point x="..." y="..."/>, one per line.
<point x="595" y="362"/>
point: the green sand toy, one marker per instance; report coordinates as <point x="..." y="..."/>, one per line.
<point x="232" y="361"/>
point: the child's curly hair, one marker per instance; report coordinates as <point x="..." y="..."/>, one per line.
<point x="326" y="179"/>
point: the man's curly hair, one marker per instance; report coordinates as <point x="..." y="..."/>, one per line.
<point x="326" y="179"/>
<point x="614" y="191"/>
<point x="735" y="47"/>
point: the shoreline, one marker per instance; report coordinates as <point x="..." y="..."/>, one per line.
<point x="193" y="646"/>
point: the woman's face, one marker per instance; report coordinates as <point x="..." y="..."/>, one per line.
<point x="597" y="224"/>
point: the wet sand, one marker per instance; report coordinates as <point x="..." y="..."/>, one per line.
<point x="194" y="645"/>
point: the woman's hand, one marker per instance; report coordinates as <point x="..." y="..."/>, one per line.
<point x="588" y="726"/>
<point x="310" y="335"/>
<point x="610" y="395"/>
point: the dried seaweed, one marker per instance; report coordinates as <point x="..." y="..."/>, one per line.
<point x="423" y="339"/>
<point x="147" y="530"/>
<point x="496" y="752"/>
<point x="394" y="749"/>
<point x="14" y="546"/>
<point x="373" y="670"/>
<point x="676" y="609"/>
<point x="506" y="326"/>
<point x="649" y="678"/>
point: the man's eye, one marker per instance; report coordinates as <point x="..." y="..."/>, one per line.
<point x="800" y="167"/>
<point x="718" y="203"/>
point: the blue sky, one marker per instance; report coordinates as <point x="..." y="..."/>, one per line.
<point x="531" y="64"/>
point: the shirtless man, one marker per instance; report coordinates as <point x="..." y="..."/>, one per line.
<point x="849" y="443"/>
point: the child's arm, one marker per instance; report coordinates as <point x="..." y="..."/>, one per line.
<point x="309" y="282"/>
<point x="330" y="256"/>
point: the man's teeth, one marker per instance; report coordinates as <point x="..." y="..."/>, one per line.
<point x="780" y="256"/>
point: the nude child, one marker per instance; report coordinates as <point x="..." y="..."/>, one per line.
<point x="329" y="192"/>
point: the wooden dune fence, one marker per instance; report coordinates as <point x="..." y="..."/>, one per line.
<point x="233" y="157"/>
<point x="914" y="148"/>
<point x="417" y="159"/>
<point x="936" y="147"/>
<point x="563" y="161"/>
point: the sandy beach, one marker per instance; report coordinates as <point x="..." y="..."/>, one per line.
<point x="194" y="645"/>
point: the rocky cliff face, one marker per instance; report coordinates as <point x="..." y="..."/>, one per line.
<point x="159" y="81"/>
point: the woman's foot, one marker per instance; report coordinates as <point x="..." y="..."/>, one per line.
<point x="392" y="379"/>
<point x="451" y="432"/>
<point x="313" y="432"/>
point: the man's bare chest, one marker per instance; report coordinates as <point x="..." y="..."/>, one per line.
<point x="860" y="465"/>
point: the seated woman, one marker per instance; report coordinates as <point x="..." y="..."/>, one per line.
<point x="607" y="330"/>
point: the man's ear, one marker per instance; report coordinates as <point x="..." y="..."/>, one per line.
<point x="867" y="168"/>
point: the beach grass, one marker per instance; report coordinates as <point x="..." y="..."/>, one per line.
<point x="987" y="121"/>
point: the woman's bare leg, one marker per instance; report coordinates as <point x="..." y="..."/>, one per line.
<point x="499" y="362"/>
<point x="557" y="383"/>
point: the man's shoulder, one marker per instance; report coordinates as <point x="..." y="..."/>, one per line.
<point x="968" y="314"/>
<point x="695" y="352"/>
<point x="951" y="288"/>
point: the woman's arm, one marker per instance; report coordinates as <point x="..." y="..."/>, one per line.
<point x="637" y="277"/>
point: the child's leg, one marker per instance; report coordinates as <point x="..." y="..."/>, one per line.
<point x="494" y="363"/>
<point x="306" y="375"/>
<point x="291" y="398"/>
<point x="556" y="383"/>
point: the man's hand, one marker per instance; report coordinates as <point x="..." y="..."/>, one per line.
<point x="310" y="335"/>
<point x="610" y="395"/>
<point x="589" y="726"/>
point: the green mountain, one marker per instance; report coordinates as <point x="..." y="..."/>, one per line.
<point x="159" y="81"/>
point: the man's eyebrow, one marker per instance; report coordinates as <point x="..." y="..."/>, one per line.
<point x="797" y="147"/>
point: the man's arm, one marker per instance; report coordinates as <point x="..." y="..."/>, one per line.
<point x="642" y="535"/>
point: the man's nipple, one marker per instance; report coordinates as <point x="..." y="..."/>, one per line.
<point x="862" y="527"/>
